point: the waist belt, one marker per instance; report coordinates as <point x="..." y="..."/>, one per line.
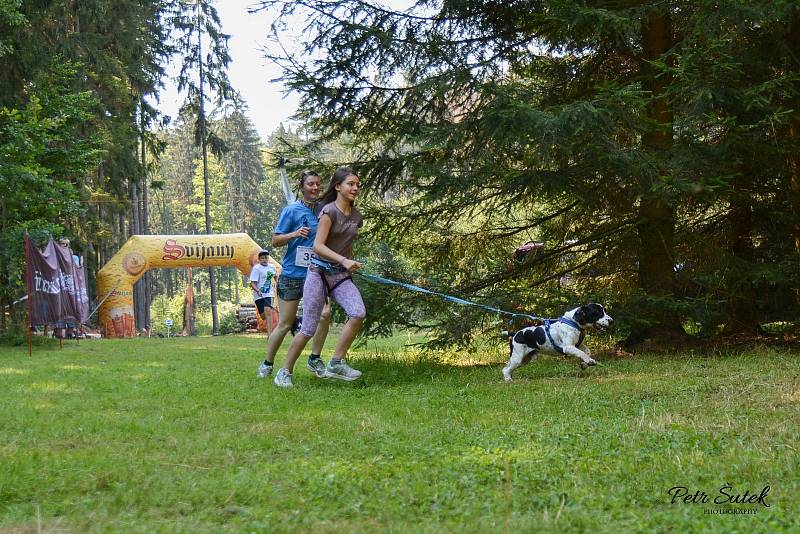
<point x="326" y="266"/>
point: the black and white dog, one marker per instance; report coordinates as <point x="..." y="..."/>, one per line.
<point x="563" y="336"/>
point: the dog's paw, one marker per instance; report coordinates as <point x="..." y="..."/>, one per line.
<point x="586" y="364"/>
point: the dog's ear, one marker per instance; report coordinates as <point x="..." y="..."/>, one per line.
<point x="580" y="315"/>
<point x="593" y="312"/>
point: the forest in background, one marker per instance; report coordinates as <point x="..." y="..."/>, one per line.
<point x="651" y="147"/>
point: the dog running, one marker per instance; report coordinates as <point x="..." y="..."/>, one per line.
<point x="564" y="335"/>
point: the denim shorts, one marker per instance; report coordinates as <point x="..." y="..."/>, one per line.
<point x="290" y="288"/>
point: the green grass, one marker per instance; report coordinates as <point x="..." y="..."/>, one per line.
<point x="179" y="435"/>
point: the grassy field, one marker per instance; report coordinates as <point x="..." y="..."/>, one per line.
<point x="178" y="435"/>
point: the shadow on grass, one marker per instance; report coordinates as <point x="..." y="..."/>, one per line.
<point x="387" y="371"/>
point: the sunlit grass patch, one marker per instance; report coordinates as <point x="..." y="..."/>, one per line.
<point x="180" y="435"/>
<point x="76" y="367"/>
<point x="13" y="371"/>
<point x="54" y="387"/>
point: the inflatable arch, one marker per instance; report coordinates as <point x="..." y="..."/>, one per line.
<point x="142" y="252"/>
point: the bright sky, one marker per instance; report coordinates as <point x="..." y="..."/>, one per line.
<point x="250" y="73"/>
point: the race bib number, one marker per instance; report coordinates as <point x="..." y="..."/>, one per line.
<point x="303" y="257"/>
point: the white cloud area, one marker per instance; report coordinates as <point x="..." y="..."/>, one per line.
<point x="250" y="72"/>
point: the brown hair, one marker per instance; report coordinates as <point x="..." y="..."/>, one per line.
<point x="339" y="176"/>
<point x="305" y="174"/>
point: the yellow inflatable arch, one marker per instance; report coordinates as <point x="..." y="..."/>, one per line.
<point x="142" y="252"/>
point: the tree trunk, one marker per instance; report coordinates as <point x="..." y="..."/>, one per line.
<point x="143" y="225"/>
<point x="188" y="306"/>
<point x="742" y="316"/>
<point x="793" y="162"/>
<point x="122" y="237"/>
<point x="4" y="299"/>
<point x="656" y="216"/>
<point x="138" y="288"/>
<point x="793" y="42"/>
<point x="794" y="187"/>
<point x="206" y="192"/>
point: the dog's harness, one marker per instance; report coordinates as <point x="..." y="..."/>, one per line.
<point x="568" y="322"/>
<point x="326" y="267"/>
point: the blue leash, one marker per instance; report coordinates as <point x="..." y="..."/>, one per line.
<point x="450" y="298"/>
<point x="545" y="322"/>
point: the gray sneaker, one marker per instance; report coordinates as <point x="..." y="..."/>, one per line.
<point x="264" y="370"/>
<point x="342" y="371"/>
<point x="283" y="379"/>
<point x="317" y="366"/>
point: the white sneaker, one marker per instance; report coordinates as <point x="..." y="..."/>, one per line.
<point x="264" y="370"/>
<point x="317" y="366"/>
<point x="342" y="371"/>
<point x="283" y="379"/>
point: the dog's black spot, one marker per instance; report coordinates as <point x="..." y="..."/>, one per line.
<point x="533" y="337"/>
<point x="519" y="337"/>
<point x="541" y="336"/>
<point x="593" y="312"/>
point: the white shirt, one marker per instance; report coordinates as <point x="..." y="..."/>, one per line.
<point x="263" y="276"/>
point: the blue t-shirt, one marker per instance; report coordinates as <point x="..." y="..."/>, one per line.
<point x="294" y="216"/>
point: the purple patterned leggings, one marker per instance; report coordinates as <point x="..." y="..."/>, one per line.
<point x="346" y="294"/>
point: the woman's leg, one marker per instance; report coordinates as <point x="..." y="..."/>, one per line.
<point x="349" y="333"/>
<point x="321" y="334"/>
<point x="287" y="310"/>
<point x="349" y="298"/>
<point x="313" y="302"/>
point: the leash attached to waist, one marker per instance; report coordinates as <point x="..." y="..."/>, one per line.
<point x="325" y="267"/>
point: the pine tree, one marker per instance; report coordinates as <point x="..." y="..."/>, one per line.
<point x="202" y="69"/>
<point x="488" y="124"/>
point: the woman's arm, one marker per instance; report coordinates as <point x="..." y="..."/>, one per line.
<point x="278" y="240"/>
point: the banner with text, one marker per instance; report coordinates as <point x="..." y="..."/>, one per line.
<point x="56" y="285"/>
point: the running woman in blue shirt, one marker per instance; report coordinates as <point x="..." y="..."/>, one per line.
<point x="296" y="228"/>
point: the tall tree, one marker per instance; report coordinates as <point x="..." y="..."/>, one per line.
<point x="201" y="68"/>
<point x="116" y="50"/>
<point x="488" y="124"/>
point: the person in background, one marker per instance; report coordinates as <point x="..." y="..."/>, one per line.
<point x="262" y="278"/>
